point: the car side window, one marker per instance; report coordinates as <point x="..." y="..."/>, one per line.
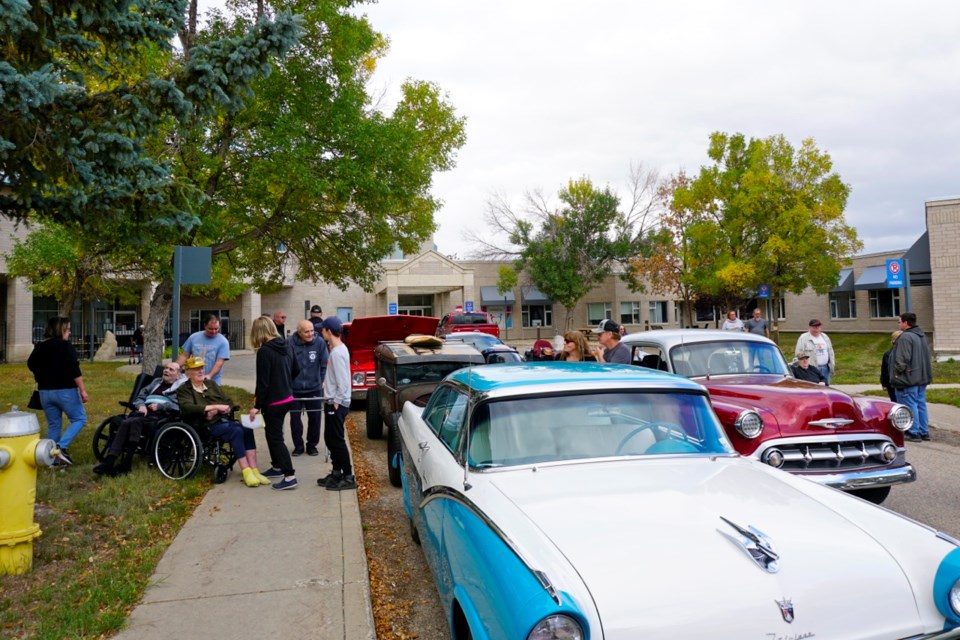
<point x="445" y="415"/>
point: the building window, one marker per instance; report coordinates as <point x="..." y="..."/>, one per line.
<point x="345" y="314"/>
<point x="629" y="313"/>
<point x="597" y="311"/>
<point x="781" y="309"/>
<point x="884" y="303"/>
<point x="538" y="315"/>
<point x="658" y="311"/>
<point x="843" y="305"/>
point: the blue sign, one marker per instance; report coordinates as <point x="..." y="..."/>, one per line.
<point x="392" y="308"/>
<point x="894" y="274"/>
<point x="763" y="291"/>
<point x="468" y="306"/>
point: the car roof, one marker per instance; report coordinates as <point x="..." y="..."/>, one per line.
<point x="403" y="352"/>
<point x="673" y="337"/>
<point x="525" y="377"/>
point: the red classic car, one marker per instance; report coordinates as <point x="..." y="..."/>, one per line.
<point x="468" y="321"/>
<point x="853" y="443"/>
<point x="362" y="336"/>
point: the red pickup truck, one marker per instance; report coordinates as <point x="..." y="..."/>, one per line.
<point x="468" y="321"/>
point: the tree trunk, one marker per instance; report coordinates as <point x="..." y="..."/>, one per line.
<point x="160" y="306"/>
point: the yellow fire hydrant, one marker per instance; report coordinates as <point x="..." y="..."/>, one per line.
<point x="21" y="452"/>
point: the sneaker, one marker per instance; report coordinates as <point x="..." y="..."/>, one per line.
<point x="346" y="482"/>
<point x="912" y="437"/>
<point x="285" y="484"/>
<point x="925" y="437"/>
<point x="312" y="451"/>
<point x="331" y="478"/>
<point x="298" y="451"/>
<point x="272" y="473"/>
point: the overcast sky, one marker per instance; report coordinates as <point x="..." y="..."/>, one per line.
<point x="558" y="89"/>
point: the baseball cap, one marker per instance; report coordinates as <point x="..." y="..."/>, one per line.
<point x="316" y="309"/>
<point x="804" y="354"/>
<point x="607" y="325"/>
<point x="815" y="323"/>
<point x="194" y="362"/>
<point x="332" y="323"/>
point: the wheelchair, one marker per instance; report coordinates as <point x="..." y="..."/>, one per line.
<point x="176" y="448"/>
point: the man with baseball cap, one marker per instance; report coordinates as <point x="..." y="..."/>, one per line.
<point x="316" y="317"/>
<point x="336" y="394"/>
<point x="803" y="371"/>
<point x="817" y="343"/>
<point x="613" y="351"/>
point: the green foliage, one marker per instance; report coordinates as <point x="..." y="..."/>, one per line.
<point x="507" y="279"/>
<point x="765" y="212"/>
<point x="87" y="85"/>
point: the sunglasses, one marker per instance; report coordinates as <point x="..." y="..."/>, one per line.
<point x="569" y="341"/>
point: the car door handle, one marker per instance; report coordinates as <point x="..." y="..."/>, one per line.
<point x="425" y="445"/>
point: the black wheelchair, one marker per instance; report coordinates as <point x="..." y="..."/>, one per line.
<point x="176" y="448"/>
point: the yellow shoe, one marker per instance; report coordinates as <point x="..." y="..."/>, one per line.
<point x="250" y="478"/>
<point x="262" y="479"/>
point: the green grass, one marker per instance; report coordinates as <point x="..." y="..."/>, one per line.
<point x="102" y="537"/>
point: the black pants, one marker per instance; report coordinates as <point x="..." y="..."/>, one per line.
<point x="335" y="438"/>
<point x="273" y="430"/>
<point x="129" y="431"/>
<point x="313" y="409"/>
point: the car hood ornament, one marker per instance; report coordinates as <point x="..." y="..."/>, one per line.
<point x="755" y="544"/>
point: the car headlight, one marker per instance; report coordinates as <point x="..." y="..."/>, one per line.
<point x="901" y="417"/>
<point x="359" y="378"/>
<point x="557" y="627"/>
<point x="946" y="588"/>
<point x="749" y="424"/>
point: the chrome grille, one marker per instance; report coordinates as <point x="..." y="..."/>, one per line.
<point x="829" y="454"/>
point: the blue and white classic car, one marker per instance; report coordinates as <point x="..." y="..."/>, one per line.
<point x="586" y="502"/>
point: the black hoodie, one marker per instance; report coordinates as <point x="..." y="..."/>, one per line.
<point x="276" y="369"/>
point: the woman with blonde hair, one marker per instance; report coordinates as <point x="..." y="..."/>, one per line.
<point x="575" y="348"/>
<point x="274" y="396"/>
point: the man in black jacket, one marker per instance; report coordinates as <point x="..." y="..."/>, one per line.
<point x="911" y="372"/>
<point x="310" y="353"/>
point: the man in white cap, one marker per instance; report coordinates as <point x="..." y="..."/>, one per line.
<point x="612" y="351"/>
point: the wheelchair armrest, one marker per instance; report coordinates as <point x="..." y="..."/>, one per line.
<point x="128" y="405"/>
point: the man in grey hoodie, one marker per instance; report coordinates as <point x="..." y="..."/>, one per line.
<point x="910" y="374"/>
<point x="310" y="352"/>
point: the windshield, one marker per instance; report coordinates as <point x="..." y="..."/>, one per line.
<point x="427" y="371"/>
<point x="470" y="318"/>
<point x="593" y="425"/>
<point x="727" y="358"/>
<point x="480" y="341"/>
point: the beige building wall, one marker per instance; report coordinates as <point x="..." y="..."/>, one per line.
<point x="944" y="216"/>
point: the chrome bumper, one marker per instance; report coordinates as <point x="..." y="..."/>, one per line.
<point x="853" y="480"/>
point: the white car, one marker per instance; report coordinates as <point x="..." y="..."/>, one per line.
<point x="586" y="501"/>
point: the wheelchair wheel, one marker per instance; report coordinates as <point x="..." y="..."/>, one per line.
<point x="177" y="451"/>
<point x="220" y="474"/>
<point x="103" y="436"/>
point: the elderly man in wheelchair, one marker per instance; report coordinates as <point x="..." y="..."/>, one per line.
<point x="155" y="402"/>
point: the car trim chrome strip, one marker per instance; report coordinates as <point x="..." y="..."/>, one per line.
<point x="444" y="492"/>
<point x="831" y="423"/>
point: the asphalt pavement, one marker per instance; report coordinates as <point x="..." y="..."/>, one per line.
<point x="260" y="563"/>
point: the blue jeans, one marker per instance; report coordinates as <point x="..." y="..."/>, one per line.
<point x="63" y="401"/>
<point x="825" y="370"/>
<point x="915" y="398"/>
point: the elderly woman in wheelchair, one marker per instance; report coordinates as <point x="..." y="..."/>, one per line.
<point x="205" y="401"/>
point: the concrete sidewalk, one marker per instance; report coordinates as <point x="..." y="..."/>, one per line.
<point x="259" y="563"/>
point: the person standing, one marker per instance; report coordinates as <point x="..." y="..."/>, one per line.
<point x="803" y="371"/>
<point x="280" y="320"/>
<point x="817" y="342"/>
<point x="56" y="369"/>
<point x="209" y="345"/>
<point x="316" y="317"/>
<point x="732" y="323"/>
<point x="612" y="350"/>
<point x="203" y="399"/>
<point x="336" y="393"/>
<point x="273" y="396"/>
<point x="911" y="372"/>
<point x="147" y="411"/>
<point x="136" y="346"/>
<point x="756" y="324"/>
<point x="885" y="366"/>
<point x="311" y="355"/>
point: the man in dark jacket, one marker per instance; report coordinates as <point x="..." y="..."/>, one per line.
<point x="911" y="372"/>
<point x="311" y="354"/>
<point x="316" y="317"/>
